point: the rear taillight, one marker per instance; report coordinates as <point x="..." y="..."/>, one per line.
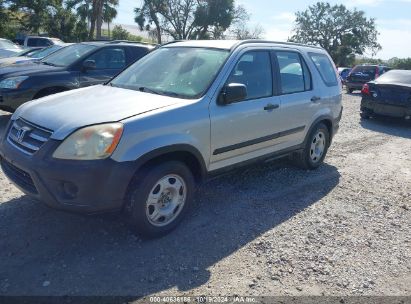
<point x="365" y="89"/>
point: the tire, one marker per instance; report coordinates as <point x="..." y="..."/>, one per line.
<point x="364" y="115"/>
<point x="315" y="149"/>
<point x="156" y="203"/>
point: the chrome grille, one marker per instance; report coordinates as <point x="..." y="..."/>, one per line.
<point x="27" y="136"/>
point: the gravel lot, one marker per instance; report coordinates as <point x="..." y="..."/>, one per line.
<point x="268" y="230"/>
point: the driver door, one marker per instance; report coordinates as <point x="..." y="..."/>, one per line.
<point x="246" y="129"/>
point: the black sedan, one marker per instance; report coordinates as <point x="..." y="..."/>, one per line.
<point x="75" y="66"/>
<point x="389" y="95"/>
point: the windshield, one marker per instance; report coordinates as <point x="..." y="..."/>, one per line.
<point x="5" y="44"/>
<point x="176" y="71"/>
<point x="68" y="55"/>
<point x="44" y="52"/>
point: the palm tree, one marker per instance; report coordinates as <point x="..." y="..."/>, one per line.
<point x="109" y="12"/>
<point x="94" y="12"/>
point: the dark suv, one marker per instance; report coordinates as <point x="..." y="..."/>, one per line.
<point x="78" y="65"/>
<point x="361" y="74"/>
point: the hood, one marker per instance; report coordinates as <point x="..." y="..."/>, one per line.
<point x="65" y="112"/>
<point x="27" y="69"/>
<point x="16" y="60"/>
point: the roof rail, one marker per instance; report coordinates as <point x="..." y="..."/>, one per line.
<point x="276" y="42"/>
<point x="169" y="42"/>
<point x="130" y="41"/>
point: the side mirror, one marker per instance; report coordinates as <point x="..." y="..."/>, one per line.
<point x="231" y="93"/>
<point x="89" y="65"/>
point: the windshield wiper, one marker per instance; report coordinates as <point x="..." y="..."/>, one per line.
<point x="147" y="90"/>
<point x="49" y="63"/>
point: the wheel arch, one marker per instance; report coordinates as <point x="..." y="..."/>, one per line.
<point x="325" y="119"/>
<point x="185" y="153"/>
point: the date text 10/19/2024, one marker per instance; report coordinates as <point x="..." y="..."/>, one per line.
<point x="202" y="299"/>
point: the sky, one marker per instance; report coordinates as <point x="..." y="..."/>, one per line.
<point x="393" y="19"/>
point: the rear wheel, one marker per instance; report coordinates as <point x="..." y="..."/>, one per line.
<point x="158" y="201"/>
<point x="315" y="149"/>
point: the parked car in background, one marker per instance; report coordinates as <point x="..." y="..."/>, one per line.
<point x="31" y="55"/>
<point x="38" y="41"/>
<point x="361" y="74"/>
<point x="343" y="72"/>
<point x="75" y="66"/>
<point x="389" y="95"/>
<point x="186" y="111"/>
<point x="8" y="48"/>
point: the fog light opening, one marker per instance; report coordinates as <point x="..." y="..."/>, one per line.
<point x="70" y="189"/>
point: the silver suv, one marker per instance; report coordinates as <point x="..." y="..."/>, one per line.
<point x="188" y="110"/>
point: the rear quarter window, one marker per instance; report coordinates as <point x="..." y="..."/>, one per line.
<point x="325" y="68"/>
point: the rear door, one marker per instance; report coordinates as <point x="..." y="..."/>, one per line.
<point x="109" y="62"/>
<point x="299" y="98"/>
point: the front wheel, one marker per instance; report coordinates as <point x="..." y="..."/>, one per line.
<point x="364" y="115"/>
<point x="159" y="198"/>
<point x="315" y="148"/>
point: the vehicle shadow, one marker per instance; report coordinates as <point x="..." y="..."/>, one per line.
<point x="355" y="93"/>
<point x="392" y="126"/>
<point x="47" y="252"/>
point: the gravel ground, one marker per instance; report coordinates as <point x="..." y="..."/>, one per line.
<point x="273" y="229"/>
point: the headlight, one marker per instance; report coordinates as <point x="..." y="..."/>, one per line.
<point x="12" y="82"/>
<point x="94" y="142"/>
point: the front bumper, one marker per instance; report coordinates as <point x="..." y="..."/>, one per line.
<point x="10" y="100"/>
<point x="373" y="107"/>
<point x="79" y="186"/>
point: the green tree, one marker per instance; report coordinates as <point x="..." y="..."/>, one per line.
<point x="342" y="32"/>
<point x="62" y="23"/>
<point x="400" y="63"/>
<point x="4" y="19"/>
<point x="109" y="12"/>
<point x="186" y="19"/>
<point x="83" y="8"/>
<point x="119" y="33"/>
<point x="35" y="13"/>
<point x="149" y="14"/>
<point x="94" y="12"/>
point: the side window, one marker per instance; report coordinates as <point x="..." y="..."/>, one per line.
<point x="43" y="42"/>
<point x="254" y="71"/>
<point x="32" y="42"/>
<point x="136" y="53"/>
<point x="109" y="58"/>
<point x="294" y="74"/>
<point x="325" y="68"/>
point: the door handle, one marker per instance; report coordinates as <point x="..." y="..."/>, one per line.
<point x="315" y="98"/>
<point x="271" y="106"/>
